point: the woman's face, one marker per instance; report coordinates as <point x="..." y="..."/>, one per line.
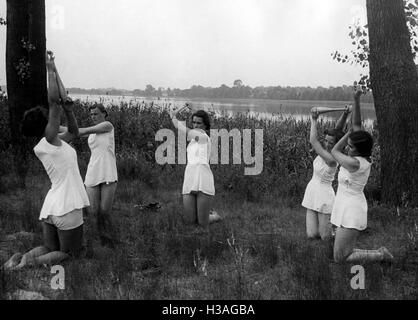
<point x="97" y="116"/>
<point x="351" y="149"/>
<point x="198" y="123"/>
<point x="329" y="142"/>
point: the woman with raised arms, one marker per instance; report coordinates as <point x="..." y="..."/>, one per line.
<point x="198" y="185"/>
<point x="319" y="195"/>
<point x="349" y="213"/>
<point x="61" y="213"/>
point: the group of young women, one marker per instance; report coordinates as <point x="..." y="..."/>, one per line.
<point x="347" y="210"/>
<point x="62" y="211"/>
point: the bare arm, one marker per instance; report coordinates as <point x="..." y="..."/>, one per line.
<point x="72" y="131"/>
<point x="55" y="89"/>
<point x="349" y="163"/>
<point x="61" y="87"/>
<point x="356" y="116"/>
<point x="313" y="139"/>
<point x="343" y="119"/>
<point x="179" y="125"/>
<point x="52" y="128"/>
<point x="103" y="127"/>
<point x="197" y="134"/>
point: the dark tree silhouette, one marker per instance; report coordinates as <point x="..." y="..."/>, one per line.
<point x="394" y="82"/>
<point x="25" y="69"/>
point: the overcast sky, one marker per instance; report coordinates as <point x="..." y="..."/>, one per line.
<point x="179" y="43"/>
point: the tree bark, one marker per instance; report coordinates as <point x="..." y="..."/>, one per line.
<point x="394" y="83"/>
<point x="25" y="22"/>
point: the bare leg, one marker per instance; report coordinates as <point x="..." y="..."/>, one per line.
<point x="49" y="258"/>
<point x="105" y="225"/>
<point x="345" y="240"/>
<point x="203" y="207"/>
<point x="190" y="208"/>
<point x="71" y="241"/>
<point x="56" y="244"/>
<point x="370" y="255"/>
<point x="34" y="253"/>
<point x="312" y="223"/>
<point x="324" y="226"/>
<point x="13" y="261"/>
<point x="90" y="221"/>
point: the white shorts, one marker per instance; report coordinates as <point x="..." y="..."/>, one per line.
<point x="68" y="221"/>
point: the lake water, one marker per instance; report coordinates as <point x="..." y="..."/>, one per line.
<point x="261" y="108"/>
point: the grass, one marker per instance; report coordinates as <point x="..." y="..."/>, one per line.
<point x="259" y="251"/>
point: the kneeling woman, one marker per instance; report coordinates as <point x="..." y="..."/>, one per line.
<point x="198" y="186"/>
<point x="349" y="214"/>
<point x="319" y="194"/>
<point x="61" y="213"/>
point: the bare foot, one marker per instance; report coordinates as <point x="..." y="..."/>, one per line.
<point x="214" y="217"/>
<point x="13" y="261"/>
<point x="387" y="256"/>
<point x="22" y="264"/>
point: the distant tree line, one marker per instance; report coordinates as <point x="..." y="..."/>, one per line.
<point x="237" y="91"/>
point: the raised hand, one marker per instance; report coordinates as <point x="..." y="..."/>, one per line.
<point x="50" y="61"/>
<point x="348" y="109"/>
<point x="188" y="106"/>
<point x="68" y="105"/>
<point x="358" y="93"/>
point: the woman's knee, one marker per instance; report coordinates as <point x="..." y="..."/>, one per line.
<point x="71" y="241"/>
<point x="325" y="233"/>
<point x="311" y="234"/>
<point x="312" y="231"/>
<point x="341" y="254"/>
<point x="92" y="210"/>
<point x="50" y="237"/>
<point x="105" y="208"/>
<point x="339" y="257"/>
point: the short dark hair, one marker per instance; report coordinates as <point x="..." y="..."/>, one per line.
<point x="101" y="107"/>
<point x="336" y="133"/>
<point x="205" y="117"/>
<point x="34" y="122"/>
<point x="363" y="142"/>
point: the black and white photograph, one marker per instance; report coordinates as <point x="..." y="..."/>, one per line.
<point x="208" y="154"/>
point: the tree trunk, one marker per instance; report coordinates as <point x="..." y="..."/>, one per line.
<point x="25" y="22"/>
<point x="394" y="82"/>
<point x="37" y="58"/>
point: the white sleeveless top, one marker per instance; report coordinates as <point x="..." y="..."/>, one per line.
<point x="199" y="153"/>
<point x="67" y="191"/>
<point x="319" y="194"/>
<point x="350" y="206"/>
<point x="102" y="164"/>
<point x="198" y="176"/>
